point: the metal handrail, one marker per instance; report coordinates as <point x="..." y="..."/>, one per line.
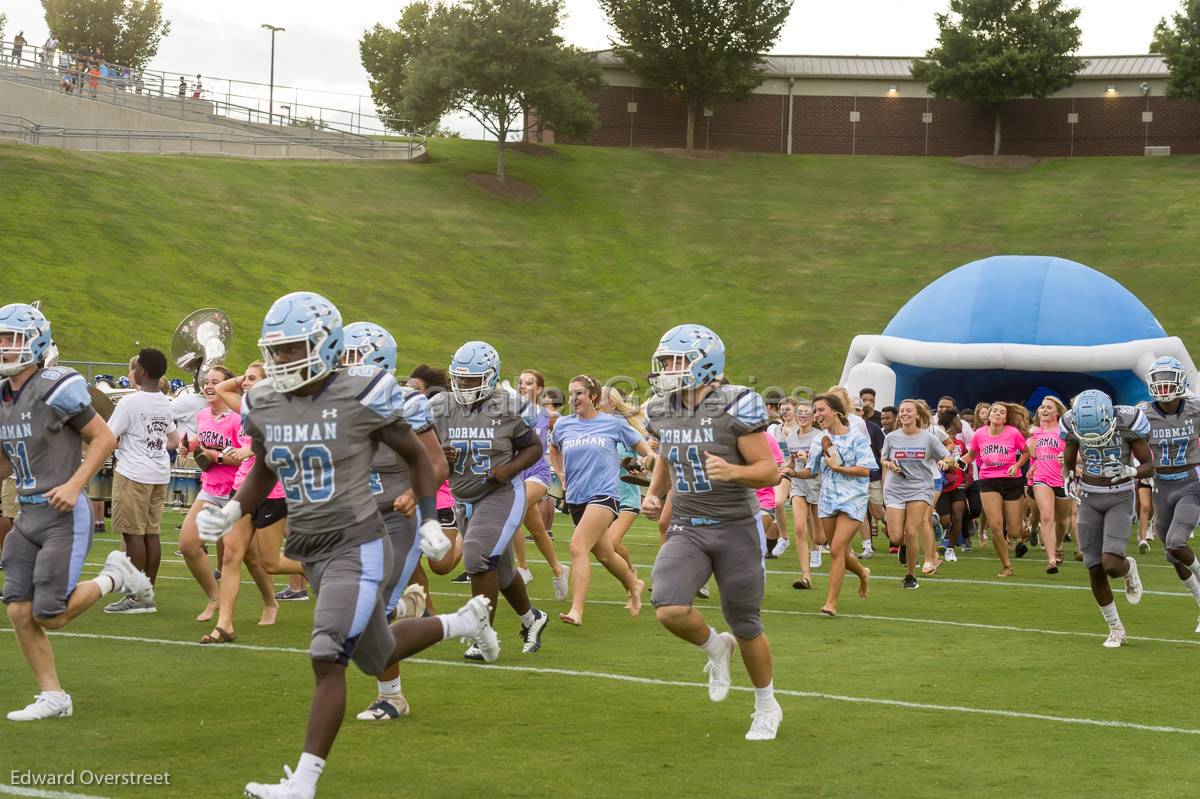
<point x="34" y="133"/>
<point x="161" y="85"/>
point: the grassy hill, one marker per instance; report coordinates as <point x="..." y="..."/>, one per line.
<point x="787" y="258"/>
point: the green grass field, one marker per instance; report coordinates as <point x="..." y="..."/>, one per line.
<point x="788" y="258"/>
<point x="971" y="686"/>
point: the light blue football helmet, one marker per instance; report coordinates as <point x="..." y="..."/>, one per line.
<point x="1166" y="379"/>
<point x="703" y="355"/>
<point x="368" y="344"/>
<point x="301" y="317"/>
<point x="475" y="359"/>
<point x="31" y="343"/>
<point x="1093" y="418"/>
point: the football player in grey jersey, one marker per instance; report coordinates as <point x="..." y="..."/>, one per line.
<point x="713" y="454"/>
<point x="45" y="416"/>
<point x="317" y="429"/>
<point x="1174" y="416"/>
<point x="488" y="436"/>
<point x="1108" y="437"/>
<point x="368" y="344"/>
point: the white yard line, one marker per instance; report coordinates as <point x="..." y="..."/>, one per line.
<point x="18" y="790"/>
<point x="629" y="678"/>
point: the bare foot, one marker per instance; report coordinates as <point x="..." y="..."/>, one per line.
<point x="571" y="619"/>
<point x="208" y="611"/>
<point x="864" y="583"/>
<point x="635" y="599"/>
<point x="269" y="612"/>
<point x="829" y="611"/>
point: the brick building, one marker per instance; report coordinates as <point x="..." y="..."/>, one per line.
<point x="867" y="105"/>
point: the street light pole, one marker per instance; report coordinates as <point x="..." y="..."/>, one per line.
<point x="271" y="91"/>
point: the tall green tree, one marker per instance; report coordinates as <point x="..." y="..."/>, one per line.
<point x="490" y="59"/>
<point x="1179" y="43"/>
<point x="385" y="53"/>
<point x="3" y="19"/>
<point x="697" y="50"/>
<point x="127" y="31"/>
<point x="991" y="51"/>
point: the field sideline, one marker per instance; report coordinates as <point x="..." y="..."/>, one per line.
<point x="970" y="684"/>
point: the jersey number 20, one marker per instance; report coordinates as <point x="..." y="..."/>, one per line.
<point x="308" y="477"/>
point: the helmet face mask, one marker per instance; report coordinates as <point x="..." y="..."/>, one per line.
<point x="1166" y="380"/>
<point x="301" y="340"/>
<point x="368" y="344"/>
<point x="28" y="343"/>
<point x="474" y="372"/>
<point x="687" y="357"/>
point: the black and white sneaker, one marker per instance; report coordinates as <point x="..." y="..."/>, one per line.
<point x="1021" y="549"/>
<point x="910" y="582"/>
<point x="531" y="636"/>
<point x="473" y="653"/>
<point x="290" y="595"/>
<point x="462" y="578"/>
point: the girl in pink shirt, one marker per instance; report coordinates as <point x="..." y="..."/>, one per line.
<point x="217" y="428"/>
<point x="1001" y="453"/>
<point x="1045" y="447"/>
<point x="767" y="501"/>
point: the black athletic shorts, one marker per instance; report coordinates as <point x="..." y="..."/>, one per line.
<point x="1059" y="491"/>
<point x="1009" y="488"/>
<point x="576" y="509"/>
<point x="948" y="498"/>
<point x="446" y="517"/>
<point x="268" y="513"/>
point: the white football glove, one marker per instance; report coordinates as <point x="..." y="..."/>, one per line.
<point x="213" y="522"/>
<point x="434" y="543"/>
<point x="1116" y="472"/>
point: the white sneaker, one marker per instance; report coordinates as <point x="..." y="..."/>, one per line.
<point x="1133" y="583"/>
<point x="1198" y="626"/>
<point x="531" y="636"/>
<point x="950" y="556"/>
<point x="284" y="789"/>
<point x="385" y="708"/>
<point x="526" y="575"/>
<point x="126" y="577"/>
<point x="483" y="636"/>
<point x="129" y="605"/>
<point x="45" y="705"/>
<point x="561" y="585"/>
<point x="719" y="678"/>
<point x="782" y="546"/>
<point x="764" y="724"/>
<point x="866" y="554"/>
<point x="1143" y="546"/>
<point x="1116" y="637"/>
<point x="814" y="559"/>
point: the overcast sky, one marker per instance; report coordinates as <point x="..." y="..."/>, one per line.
<point x="222" y="38"/>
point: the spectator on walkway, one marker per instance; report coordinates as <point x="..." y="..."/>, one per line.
<point x="182" y="87"/>
<point x="49" y="51"/>
<point x="18" y="47"/>
<point x="197" y="88"/>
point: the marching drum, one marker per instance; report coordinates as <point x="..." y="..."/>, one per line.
<point x="100" y="487"/>
<point x="184" y="488"/>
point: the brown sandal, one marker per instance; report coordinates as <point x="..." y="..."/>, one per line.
<point x="218" y="636"/>
<point x="1006" y="572"/>
<point x="803" y="584"/>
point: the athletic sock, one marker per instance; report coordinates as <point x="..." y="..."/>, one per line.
<point x="867" y="545"/>
<point x="529" y="616"/>
<point x="105" y="582"/>
<point x="764" y="698"/>
<point x="1195" y="566"/>
<point x="1192" y="583"/>
<point x="307" y="772"/>
<point x="1109" y="612"/>
<point x="714" y="647"/>
<point x="389" y="687"/>
<point x="455" y="626"/>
